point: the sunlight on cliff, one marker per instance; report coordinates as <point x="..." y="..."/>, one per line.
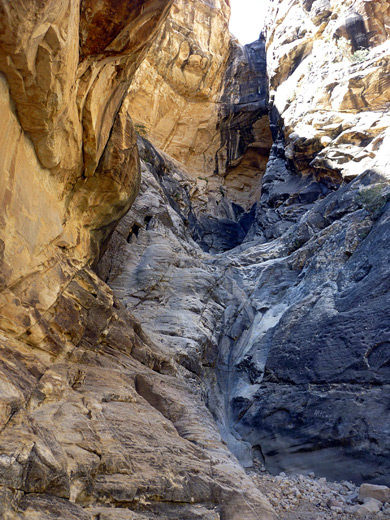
<point x="247" y="19"/>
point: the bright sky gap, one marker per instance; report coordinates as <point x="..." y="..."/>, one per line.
<point x="247" y="19"/>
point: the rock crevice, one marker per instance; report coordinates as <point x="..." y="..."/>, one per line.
<point x="243" y="307"/>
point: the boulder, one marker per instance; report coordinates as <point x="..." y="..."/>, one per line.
<point x="381" y="493"/>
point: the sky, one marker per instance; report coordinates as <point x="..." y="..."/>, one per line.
<point x="247" y="19"/>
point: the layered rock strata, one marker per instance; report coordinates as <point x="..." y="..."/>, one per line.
<point x="103" y="414"/>
<point x="187" y="100"/>
<point x="96" y="420"/>
<point x="306" y="357"/>
<point x="302" y="364"/>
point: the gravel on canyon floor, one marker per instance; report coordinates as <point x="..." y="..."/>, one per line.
<point x="307" y="497"/>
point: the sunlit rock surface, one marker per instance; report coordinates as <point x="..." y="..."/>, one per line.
<point x="174" y="95"/>
<point x="199" y="96"/>
<point x="328" y="65"/>
<point x="220" y="310"/>
<point x="96" y="419"/>
<point x="69" y="156"/>
<point x="298" y="310"/>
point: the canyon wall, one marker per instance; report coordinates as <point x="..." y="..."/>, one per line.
<point x="96" y="420"/>
<point x="169" y="296"/>
<point x="174" y="95"/>
<point x="309" y="344"/>
<point x="198" y="96"/>
<point x="69" y="157"/>
<point x="288" y="330"/>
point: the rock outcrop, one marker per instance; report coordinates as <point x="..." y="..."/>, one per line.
<point x="306" y="357"/>
<point x="328" y="72"/>
<point x="198" y="96"/>
<point x="302" y="364"/>
<point x="106" y="424"/>
<point x="96" y="419"/>
<point x="244" y="124"/>
<point x="69" y="158"/>
<point x="241" y="300"/>
<point x="174" y="95"/>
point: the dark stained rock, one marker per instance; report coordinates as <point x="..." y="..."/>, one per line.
<point x="338" y="431"/>
<point x="285" y="196"/>
<point x="353" y="28"/>
<point x="311" y="383"/>
<point x="319" y="10"/>
<point x="244" y="100"/>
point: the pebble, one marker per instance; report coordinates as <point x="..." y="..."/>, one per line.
<point x="310" y="495"/>
<point x="334" y="503"/>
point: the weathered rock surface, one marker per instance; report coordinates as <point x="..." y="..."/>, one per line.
<point x="69" y="159"/>
<point x="244" y="124"/>
<point x="276" y="318"/>
<point x="277" y="313"/>
<point x="202" y="98"/>
<point x="329" y="84"/>
<point x="96" y="420"/>
<point x="311" y="361"/>
<point x="302" y="363"/>
<point x="174" y="95"/>
<point x="381" y="493"/>
<point x="103" y="422"/>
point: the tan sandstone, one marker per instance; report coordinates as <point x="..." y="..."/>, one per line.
<point x="332" y="95"/>
<point x="96" y="421"/>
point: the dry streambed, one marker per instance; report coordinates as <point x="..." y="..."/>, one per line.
<point x="307" y="497"/>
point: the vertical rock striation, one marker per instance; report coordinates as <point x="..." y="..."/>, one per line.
<point x="304" y="360"/>
<point x="97" y="420"/>
<point x="244" y="124"/>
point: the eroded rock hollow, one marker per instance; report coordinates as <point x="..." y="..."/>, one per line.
<point x="194" y="255"/>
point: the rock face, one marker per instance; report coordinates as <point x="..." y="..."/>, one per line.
<point x="199" y="97"/>
<point x="305" y="361"/>
<point x="96" y="419"/>
<point x="312" y="380"/>
<point x="302" y="364"/>
<point x="67" y="172"/>
<point x="174" y="95"/>
<point x="328" y="70"/>
<point x="269" y="308"/>
<point x="244" y="124"/>
<point x="109" y="425"/>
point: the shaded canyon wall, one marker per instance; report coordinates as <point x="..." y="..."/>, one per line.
<point x="292" y="321"/>
<point x="96" y="420"/>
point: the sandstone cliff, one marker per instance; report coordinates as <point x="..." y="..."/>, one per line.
<point x="256" y="287"/>
<point x="175" y="92"/>
<point x="200" y="101"/>
<point x="96" y="421"/>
